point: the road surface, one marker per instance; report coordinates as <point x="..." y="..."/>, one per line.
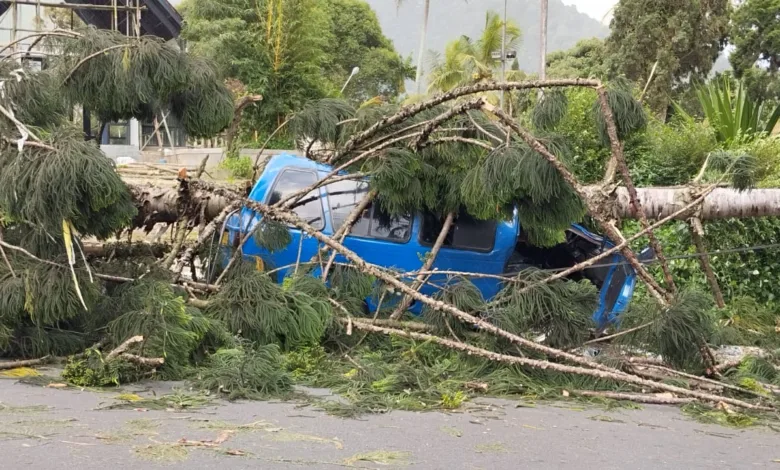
<point x="47" y="428"/>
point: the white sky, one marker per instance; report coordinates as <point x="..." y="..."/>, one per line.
<point x="595" y="8"/>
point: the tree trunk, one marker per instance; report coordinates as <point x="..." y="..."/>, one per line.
<point x="722" y="203"/>
<point x="421" y="53"/>
<point x="159" y="205"/>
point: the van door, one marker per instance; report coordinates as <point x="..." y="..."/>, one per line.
<point x="375" y="236"/>
<point x="301" y="247"/>
<point x="472" y="246"/>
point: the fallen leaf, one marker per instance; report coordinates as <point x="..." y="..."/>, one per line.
<point x="724" y="407"/>
<point x="565" y="393"/>
<point x="20" y="372"/>
<point x="481" y="386"/>
<point x="223" y="436"/>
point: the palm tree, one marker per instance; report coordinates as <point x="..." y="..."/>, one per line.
<point x="468" y="61"/>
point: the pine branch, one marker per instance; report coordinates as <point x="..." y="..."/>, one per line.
<point x="24" y="363"/>
<point x="92" y="56"/>
<point x="635" y="397"/>
<point x="431" y="125"/>
<point x="616" y="376"/>
<point x="593" y="208"/>
<point x="5" y="257"/>
<point x="54" y="33"/>
<point x="463" y="140"/>
<point x="704" y="380"/>
<point x="206" y="234"/>
<point x="124" y="347"/>
<point x="697" y="235"/>
<point x="143" y="361"/>
<point x="410" y="111"/>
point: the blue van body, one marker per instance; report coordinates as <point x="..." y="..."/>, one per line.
<point x="403" y="248"/>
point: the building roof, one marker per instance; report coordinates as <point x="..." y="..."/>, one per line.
<point x="159" y="19"/>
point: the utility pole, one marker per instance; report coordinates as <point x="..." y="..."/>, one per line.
<point x="503" y="55"/>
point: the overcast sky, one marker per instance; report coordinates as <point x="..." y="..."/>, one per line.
<point x="595" y="8"/>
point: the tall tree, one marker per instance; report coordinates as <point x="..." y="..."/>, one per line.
<point x="587" y="59"/>
<point x="357" y="41"/>
<point x="423" y="37"/>
<point x="755" y="32"/>
<point x="684" y="38"/>
<point x="294" y="51"/>
<point x="543" y="41"/>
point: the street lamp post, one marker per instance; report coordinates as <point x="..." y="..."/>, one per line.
<point x="354" y="72"/>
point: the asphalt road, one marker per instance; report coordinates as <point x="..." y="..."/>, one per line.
<point x="46" y="428"/>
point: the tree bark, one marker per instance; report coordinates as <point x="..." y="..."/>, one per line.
<point x="159" y="205"/>
<point x="721" y="203"/>
<point x="24" y="363"/>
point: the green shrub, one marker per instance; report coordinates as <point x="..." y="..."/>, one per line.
<point x="239" y="167"/>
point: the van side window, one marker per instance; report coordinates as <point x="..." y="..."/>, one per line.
<point x="344" y="196"/>
<point x="395" y="228"/>
<point x="467" y="233"/>
<point x="309" y="208"/>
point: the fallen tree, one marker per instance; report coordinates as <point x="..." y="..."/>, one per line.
<point x="450" y="151"/>
<point x="159" y="204"/>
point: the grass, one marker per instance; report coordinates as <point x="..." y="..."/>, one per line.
<point x="20" y="372"/>
<point x="5" y="408"/>
<point x="491" y="448"/>
<point x="452" y="431"/>
<point x="723" y="417"/>
<point x="285" y="436"/>
<point x="177" y="401"/>
<point x="381" y="457"/>
<point x="162" y="452"/>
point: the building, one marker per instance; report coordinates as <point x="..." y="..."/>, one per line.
<point x="22" y="18"/>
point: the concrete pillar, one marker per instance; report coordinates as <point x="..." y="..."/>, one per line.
<point x="135" y="133"/>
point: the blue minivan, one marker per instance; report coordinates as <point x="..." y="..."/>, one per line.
<point x="401" y="242"/>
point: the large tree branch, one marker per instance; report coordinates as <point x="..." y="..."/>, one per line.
<point x="617" y="155"/>
<point x="594" y="208"/>
<point x="409" y="111"/>
<point x="617" y="376"/>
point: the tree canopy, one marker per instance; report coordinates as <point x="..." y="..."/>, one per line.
<point x="294" y="51"/>
<point x="683" y="38"/>
<point x="466" y="60"/>
<point x="587" y="59"/>
<point x="755" y="33"/>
